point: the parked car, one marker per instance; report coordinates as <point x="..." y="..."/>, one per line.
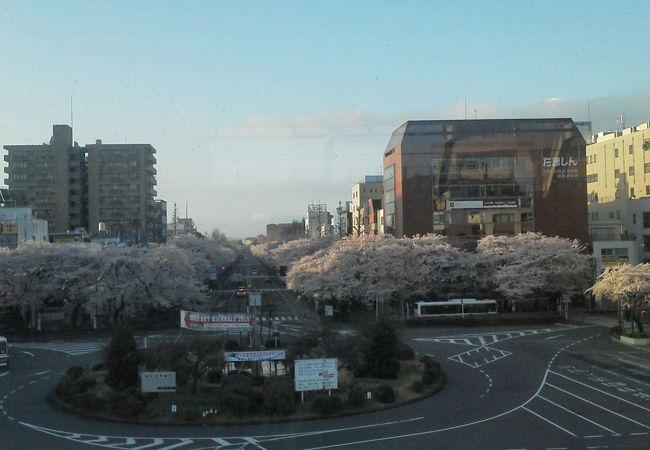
<point x="241" y="292"/>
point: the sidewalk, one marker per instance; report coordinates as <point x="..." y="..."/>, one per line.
<point x="604" y="319"/>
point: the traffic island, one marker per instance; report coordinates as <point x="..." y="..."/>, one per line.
<point x="208" y="381"/>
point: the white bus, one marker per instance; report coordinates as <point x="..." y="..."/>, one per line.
<point x="4" y="352"/>
<point x="455" y="307"/>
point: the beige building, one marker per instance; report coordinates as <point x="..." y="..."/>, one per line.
<point x="121" y="180"/>
<point x="82" y="187"/>
<point x="50" y="179"/>
<point x="618" y="196"/>
<point x="371" y="188"/>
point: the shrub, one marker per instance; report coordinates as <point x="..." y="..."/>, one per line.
<point x="277" y="396"/>
<point x="417" y="386"/>
<point x="67" y="390"/>
<point x="90" y="402"/>
<point x="214" y="376"/>
<point x="191" y="415"/>
<point x="125" y="403"/>
<point x="122" y="360"/>
<point x="380" y="360"/>
<point x="324" y="404"/>
<point x="385" y="394"/>
<point x="356" y="397"/>
<point x="405" y="352"/>
<point x="236" y="395"/>
<point x="74" y="373"/>
<point x="97" y="367"/>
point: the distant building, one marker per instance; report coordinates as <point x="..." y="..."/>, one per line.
<point x="18" y="225"/>
<point x="470" y="178"/>
<point x="618" y="196"/>
<point x="371" y="188"/>
<point x="285" y="231"/>
<point x="75" y="187"/>
<point x="318" y="222"/>
<point x="159" y="232"/>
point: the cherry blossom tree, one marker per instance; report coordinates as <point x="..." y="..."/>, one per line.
<point x="286" y="254"/>
<point x="625" y="283"/>
<point x="533" y="264"/>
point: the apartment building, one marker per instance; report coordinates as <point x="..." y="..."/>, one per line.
<point x="471" y="178"/>
<point x="18" y="225"/>
<point x="75" y="187"/>
<point x="618" y="196"/>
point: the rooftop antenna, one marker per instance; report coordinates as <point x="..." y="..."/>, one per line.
<point x="465" y="107"/>
<point x="71" y="117"/>
<point x="186" y="210"/>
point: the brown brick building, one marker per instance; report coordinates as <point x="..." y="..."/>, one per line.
<point x="471" y="178"/>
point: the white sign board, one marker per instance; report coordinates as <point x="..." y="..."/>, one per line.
<point x="316" y="374"/>
<point x="254" y="299"/>
<point x="158" y="382"/>
<point x="329" y="310"/>
<point x="204" y="321"/>
<point x="262" y="355"/>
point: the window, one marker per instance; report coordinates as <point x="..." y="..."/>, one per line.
<point x="630" y="149"/>
<point x="646" y="243"/>
<point x="632" y="192"/>
<point x="647" y="190"/>
<point x="617" y="173"/>
<point x="630" y="170"/>
<point x="634" y="219"/>
<point x="615" y="153"/>
<point x="646" y="220"/>
<point x="618" y="214"/>
<point x="646" y="167"/>
<point x="503" y="218"/>
<point x="593" y="178"/>
<point x="527" y="217"/>
<point x="594" y="159"/>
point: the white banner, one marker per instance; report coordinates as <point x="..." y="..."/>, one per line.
<point x="262" y="355"/>
<point x="215" y="321"/>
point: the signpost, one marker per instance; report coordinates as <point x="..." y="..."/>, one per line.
<point x="157" y="382"/>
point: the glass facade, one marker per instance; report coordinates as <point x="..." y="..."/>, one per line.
<point x="471" y="178"/>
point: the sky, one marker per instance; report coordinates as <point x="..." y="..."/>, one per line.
<point x="260" y="108"/>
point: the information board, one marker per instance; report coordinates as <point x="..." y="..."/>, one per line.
<point x="205" y="321"/>
<point x="316" y="374"/>
<point x="158" y="381"/>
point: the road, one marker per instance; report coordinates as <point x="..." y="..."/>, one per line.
<point x="556" y="387"/>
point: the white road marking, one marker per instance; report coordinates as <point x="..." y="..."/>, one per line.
<point x="3" y="374"/>
<point x="27" y="353"/>
<point x="602" y="392"/>
<point x="614" y="433"/>
<point x="599" y="406"/>
<point x="553" y="337"/>
<point x="548" y="421"/>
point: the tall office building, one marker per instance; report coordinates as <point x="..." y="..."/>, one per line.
<point x="82" y="187"/>
<point x="471" y="178"/>
<point x="371" y="188"/>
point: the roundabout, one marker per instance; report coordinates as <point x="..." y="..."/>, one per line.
<point x="529" y="387"/>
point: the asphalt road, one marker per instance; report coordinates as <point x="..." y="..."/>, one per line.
<point x="555" y="387"/>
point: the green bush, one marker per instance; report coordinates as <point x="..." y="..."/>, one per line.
<point x="127" y="403"/>
<point x="385" y="394"/>
<point x="417" y="386"/>
<point x="214" y="376"/>
<point x="237" y="395"/>
<point x="380" y="360"/>
<point x="405" y="352"/>
<point x="231" y="345"/>
<point x="67" y="390"/>
<point x="74" y="373"/>
<point x="90" y="402"/>
<point x="356" y="397"/>
<point x="278" y="396"/>
<point x="325" y="405"/>
<point x="122" y="360"/>
<point x="191" y="414"/>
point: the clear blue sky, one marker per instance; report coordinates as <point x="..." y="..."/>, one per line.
<point x="260" y="108"/>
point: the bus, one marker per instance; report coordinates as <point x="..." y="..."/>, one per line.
<point x="4" y="352"/>
<point x="455" y="307"/>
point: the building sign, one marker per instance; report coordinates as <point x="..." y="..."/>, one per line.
<point x="8" y="227"/>
<point x="315" y="374"/>
<point x="262" y="355"/>
<point x="480" y="204"/>
<point x="466" y="204"/>
<point x="614" y="260"/>
<point x="561" y="166"/>
<point x="215" y="321"/>
<point x="158" y="382"/>
<point x="559" y="161"/>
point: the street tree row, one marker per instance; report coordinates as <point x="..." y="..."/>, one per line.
<point x="111" y="282"/>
